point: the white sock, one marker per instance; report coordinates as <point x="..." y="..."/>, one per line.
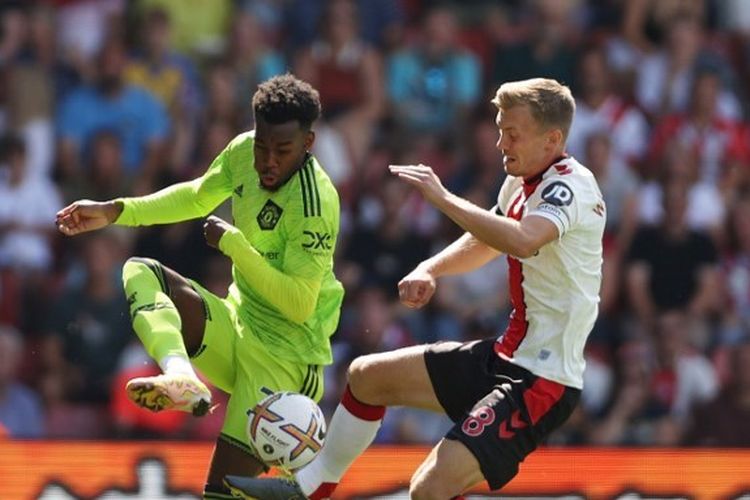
<point x="174" y="364"/>
<point x="348" y="437"/>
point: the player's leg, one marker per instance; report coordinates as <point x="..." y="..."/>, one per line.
<point x="259" y="372"/>
<point x="492" y="436"/>
<point x="375" y="381"/>
<point x="168" y="317"/>
<point x="449" y="470"/>
<point x="229" y="458"/>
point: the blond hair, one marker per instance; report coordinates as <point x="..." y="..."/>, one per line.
<point x="550" y="102"/>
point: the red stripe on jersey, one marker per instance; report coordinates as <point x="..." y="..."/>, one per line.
<point x="359" y="409"/>
<point x="518" y="326"/>
<point x="542" y="396"/>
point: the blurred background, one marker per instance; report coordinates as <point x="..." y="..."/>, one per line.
<point x="104" y="98"/>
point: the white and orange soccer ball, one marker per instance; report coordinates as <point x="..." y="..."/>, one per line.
<point x="286" y="430"/>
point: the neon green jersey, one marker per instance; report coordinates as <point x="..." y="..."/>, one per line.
<point x="281" y="246"/>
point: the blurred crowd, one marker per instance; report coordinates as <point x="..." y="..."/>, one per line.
<point x="104" y="98"/>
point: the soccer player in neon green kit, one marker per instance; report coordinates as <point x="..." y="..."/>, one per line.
<point x="272" y="330"/>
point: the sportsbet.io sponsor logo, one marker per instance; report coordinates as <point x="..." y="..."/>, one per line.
<point x="558" y="194"/>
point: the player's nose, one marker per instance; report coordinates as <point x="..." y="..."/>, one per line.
<point x="273" y="161"/>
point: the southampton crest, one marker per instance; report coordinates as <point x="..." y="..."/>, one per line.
<point x="269" y="215"/>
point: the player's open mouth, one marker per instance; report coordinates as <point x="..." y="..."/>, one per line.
<point x="268" y="179"/>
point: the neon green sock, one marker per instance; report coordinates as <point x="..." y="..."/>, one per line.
<point x="154" y="315"/>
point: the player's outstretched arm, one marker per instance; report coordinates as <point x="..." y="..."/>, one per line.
<point x="86" y="215"/>
<point x="517" y="238"/>
<point x="462" y="256"/>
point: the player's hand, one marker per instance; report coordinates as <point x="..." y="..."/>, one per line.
<point x="416" y="288"/>
<point x="213" y="229"/>
<point x="86" y="215"/>
<point x="423" y="178"/>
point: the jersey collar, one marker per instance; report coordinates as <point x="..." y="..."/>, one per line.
<point x="530" y="184"/>
<point x="536" y="179"/>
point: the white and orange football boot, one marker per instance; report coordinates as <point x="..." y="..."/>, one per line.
<point x="181" y="392"/>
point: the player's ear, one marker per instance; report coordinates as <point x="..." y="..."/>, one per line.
<point x="309" y="140"/>
<point x="555" y="137"/>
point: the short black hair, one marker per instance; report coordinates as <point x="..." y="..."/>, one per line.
<point x="285" y="98"/>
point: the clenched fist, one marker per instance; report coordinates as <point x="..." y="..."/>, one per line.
<point x="213" y="229"/>
<point x="416" y="288"/>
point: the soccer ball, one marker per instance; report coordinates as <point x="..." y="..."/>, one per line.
<point x="286" y="430"/>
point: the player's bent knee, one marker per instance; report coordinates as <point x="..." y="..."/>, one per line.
<point x="364" y="378"/>
<point x="137" y="266"/>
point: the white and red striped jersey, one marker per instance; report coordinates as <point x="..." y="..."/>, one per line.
<point x="555" y="293"/>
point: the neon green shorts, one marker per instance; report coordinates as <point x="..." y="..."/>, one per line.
<point x="235" y="361"/>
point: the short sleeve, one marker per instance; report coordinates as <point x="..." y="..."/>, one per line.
<point x="557" y="202"/>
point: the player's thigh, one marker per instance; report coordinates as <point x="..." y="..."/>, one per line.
<point x="260" y="373"/>
<point x="228" y="458"/>
<point x="394" y="378"/>
<point x="449" y="470"/>
<point x="215" y="355"/>
<point x="503" y="427"/>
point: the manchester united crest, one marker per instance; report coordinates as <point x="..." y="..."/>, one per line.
<point x="269" y="215"/>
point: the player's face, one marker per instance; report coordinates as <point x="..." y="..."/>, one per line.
<point x="526" y="147"/>
<point x="279" y="151"/>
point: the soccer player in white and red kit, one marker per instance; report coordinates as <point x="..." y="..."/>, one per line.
<point x="504" y="394"/>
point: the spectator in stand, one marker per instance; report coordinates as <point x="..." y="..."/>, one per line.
<point x="664" y="79"/>
<point x="380" y="253"/>
<point x="548" y="50"/>
<point x="619" y="188"/>
<point x="725" y="420"/>
<point x="705" y="211"/>
<point x="735" y="265"/>
<point x="198" y="27"/>
<point x="659" y="388"/>
<point x="434" y="84"/>
<point x="713" y="140"/>
<point x="110" y="104"/>
<point x="89" y="323"/>
<point x="106" y="176"/>
<point x="222" y="99"/>
<point x="27" y="204"/>
<point x="645" y="23"/>
<point x="253" y="59"/>
<point x="21" y="413"/>
<point x="619" y="185"/>
<point x="171" y="78"/>
<point x="83" y="27"/>
<point x="381" y="21"/>
<point x="600" y="110"/>
<point x="36" y="79"/>
<point x="669" y="266"/>
<point x="349" y="73"/>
